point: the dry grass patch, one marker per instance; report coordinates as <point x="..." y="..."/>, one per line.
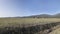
<point x="31" y="21"/>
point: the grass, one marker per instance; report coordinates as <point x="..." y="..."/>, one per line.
<point x="19" y="21"/>
<point x="57" y="31"/>
<point x="16" y="22"/>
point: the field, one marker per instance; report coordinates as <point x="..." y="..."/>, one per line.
<point x="27" y="22"/>
<point x="20" y="21"/>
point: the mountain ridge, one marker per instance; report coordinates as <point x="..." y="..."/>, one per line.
<point x="43" y="16"/>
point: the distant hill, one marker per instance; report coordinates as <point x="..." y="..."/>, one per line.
<point x="57" y="15"/>
<point x="43" y="16"/>
<point x="40" y="16"/>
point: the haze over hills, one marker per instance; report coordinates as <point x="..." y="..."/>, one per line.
<point x="38" y="16"/>
<point x="43" y="16"/>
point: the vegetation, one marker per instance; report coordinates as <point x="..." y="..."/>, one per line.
<point x="57" y="31"/>
<point x="27" y="25"/>
<point x="37" y="24"/>
<point x="28" y="21"/>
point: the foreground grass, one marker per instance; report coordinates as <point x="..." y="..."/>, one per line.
<point x="57" y="31"/>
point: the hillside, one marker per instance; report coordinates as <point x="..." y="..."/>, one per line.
<point x="43" y="16"/>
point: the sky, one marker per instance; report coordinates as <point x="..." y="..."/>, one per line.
<point x="12" y="8"/>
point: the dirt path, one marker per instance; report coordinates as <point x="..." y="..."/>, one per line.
<point x="56" y="31"/>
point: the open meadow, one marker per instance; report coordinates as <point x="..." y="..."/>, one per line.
<point x="23" y="25"/>
<point x="20" y="21"/>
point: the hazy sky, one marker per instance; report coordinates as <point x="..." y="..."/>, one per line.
<point x="10" y="8"/>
